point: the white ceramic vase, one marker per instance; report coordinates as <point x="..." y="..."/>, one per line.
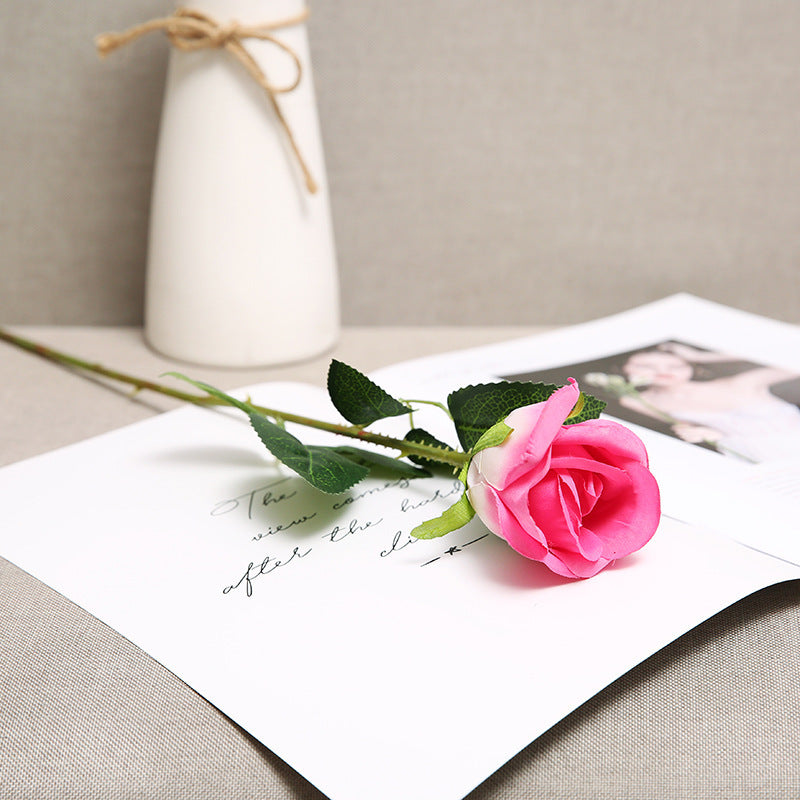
<point x="241" y="262"/>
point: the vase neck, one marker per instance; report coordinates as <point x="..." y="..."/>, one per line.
<point x="248" y="12"/>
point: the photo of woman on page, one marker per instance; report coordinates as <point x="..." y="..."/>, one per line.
<point x="739" y="408"/>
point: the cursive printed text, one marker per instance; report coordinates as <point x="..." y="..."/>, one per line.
<point x="396" y="544"/>
<point x="400" y="483"/>
<point x="288" y="514"/>
<point x="264" y="496"/>
<point x="339" y="532"/>
<point x="283" y="526"/>
<point x="268" y="565"/>
<point x="410" y="505"/>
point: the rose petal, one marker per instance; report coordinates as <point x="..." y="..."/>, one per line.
<point x="534" y="429"/>
<point x="559" y="517"/>
<point x="628" y="511"/>
<point x="496" y="464"/>
<point x="499" y="520"/>
<point x="615" y="439"/>
<point x="592" y="491"/>
<point x="629" y="522"/>
<point x="574" y="497"/>
<point x="571" y="566"/>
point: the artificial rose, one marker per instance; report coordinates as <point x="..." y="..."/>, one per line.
<point x="575" y="497"/>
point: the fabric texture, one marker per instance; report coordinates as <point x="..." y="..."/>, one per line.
<point x="84" y="713"/>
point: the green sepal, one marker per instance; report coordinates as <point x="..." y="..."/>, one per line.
<point x="421" y="436"/>
<point x="322" y="467"/>
<point x="461" y="512"/>
<point x="358" y="399"/>
<point x="477" y="408"/>
<point x="455" y="517"/>
<point x="495" y="436"/>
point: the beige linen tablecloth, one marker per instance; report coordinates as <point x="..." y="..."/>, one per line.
<point x="83" y="713"/>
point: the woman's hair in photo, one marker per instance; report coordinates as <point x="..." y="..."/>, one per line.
<point x="701" y="371"/>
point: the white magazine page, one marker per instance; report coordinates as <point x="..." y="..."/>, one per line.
<point x="375" y="665"/>
<point x="712" y="391"/>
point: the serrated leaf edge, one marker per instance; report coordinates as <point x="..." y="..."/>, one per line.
<point x="336" y="364"/>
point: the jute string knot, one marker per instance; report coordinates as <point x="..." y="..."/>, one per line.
<point x="189" y="30"/>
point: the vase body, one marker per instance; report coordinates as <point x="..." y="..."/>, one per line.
<point x="241" y="261"/>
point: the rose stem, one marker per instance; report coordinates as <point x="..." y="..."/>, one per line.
<point x="454" y="458"/>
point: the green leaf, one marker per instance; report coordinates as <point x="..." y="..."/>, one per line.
<point x="322" y="467"/>
<point x="357" y="398"/>
<point x="477" y="408"/>
<point x="214" y="392"/>
<point x="421" y="436"/>
<point x="587" y="407"/>
<point x="372" y="460"/>
<point x="458" y="515"/>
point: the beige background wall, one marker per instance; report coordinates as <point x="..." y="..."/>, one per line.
<point x="514" y="162"/>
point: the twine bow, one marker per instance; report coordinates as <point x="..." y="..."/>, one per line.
<point x="190" y="30"/>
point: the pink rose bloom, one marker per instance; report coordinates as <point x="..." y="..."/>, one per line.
<point x="575" y="497"/>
